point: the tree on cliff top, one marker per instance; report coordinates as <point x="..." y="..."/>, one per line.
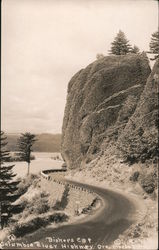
<point x="25" y="144"/>
<point x="120" y="45"/>
<point x="154" y="45"/>
<point x="135" y="50"/>
<point x="7" y="185"/>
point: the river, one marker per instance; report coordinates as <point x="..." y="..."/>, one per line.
<point x="42" y="161"/>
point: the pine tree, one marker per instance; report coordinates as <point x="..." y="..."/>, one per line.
<point x="154" y="45"/>
<point x="8" y="186"/>
<point x="25" y="144"/>
<point x="135" y="50"/>
<point x="120" y="45"/>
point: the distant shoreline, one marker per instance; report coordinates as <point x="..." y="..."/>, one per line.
<point x="45" y="142"/>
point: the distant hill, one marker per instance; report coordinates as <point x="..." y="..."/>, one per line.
<point x="46" y="142"/>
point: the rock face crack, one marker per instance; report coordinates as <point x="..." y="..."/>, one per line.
<point x="102" y="97"/>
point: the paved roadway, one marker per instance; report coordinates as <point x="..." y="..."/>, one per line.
<point x="101" y="228"/>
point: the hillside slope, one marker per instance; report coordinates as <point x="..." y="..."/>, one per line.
<point x="139" y="140"/>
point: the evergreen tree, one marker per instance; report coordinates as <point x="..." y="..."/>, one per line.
<point x="154" y="45"/>
<point x="135" y="50"/>
<point x="120" y="45"/>
<point x="7" y="185"/>
<point x="25" y="144"/>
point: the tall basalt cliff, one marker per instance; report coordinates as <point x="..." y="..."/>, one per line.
<point x="101" y="99"/>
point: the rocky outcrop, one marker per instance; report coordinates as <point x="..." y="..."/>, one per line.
<point x="100" y="101"/>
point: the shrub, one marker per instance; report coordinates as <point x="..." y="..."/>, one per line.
<point x="89" y="207"/>
<point x="39" y="204"/>
<point x="149" y="182"/>
<point x="84" y="148"/>
<point x="131" y="159"/>
<point x="25" y="183"/>
<point x="31" y="226"/>
<point x="21" y="229"/>
<point x="88" y="160"/>
<point x="41" y="207"/>
<point x="136" y="232"/>
<point x="135" y="176"/>
<point x="85" y="210"/>
<point x="58" y="217"/>
<point x="99" y="56"/>
<point x="95" y="201"/>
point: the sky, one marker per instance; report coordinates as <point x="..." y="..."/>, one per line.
<point x="45" y="42"/>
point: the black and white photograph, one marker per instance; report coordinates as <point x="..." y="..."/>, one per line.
<point x="79" y="124"/>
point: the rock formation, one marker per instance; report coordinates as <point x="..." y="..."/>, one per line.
<point x="101" y="100"/>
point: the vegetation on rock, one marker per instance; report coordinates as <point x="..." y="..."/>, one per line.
<point x="139" y="140"/>
<point x="120" y="45"/>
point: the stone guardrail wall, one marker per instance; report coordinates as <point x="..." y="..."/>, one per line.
<point x="80" y="197"/>
<point x="45" y="175"/>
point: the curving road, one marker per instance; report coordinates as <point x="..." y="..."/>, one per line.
<point x="99" y="229"/>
